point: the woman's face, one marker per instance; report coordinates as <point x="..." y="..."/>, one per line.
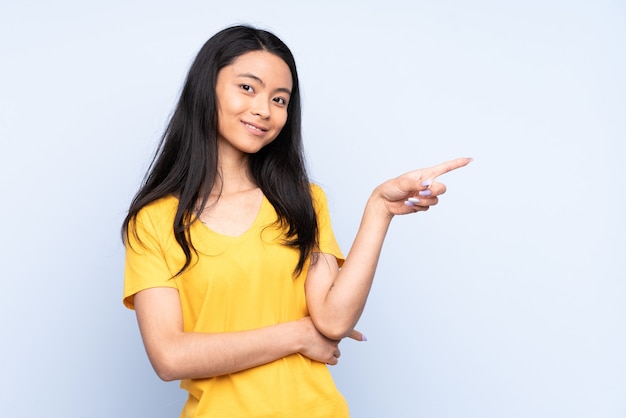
<point x="252" y="98"/>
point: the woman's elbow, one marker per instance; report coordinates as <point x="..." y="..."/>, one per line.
<point x="165" y="371"/>
<point x="333" y="330"/>
<point x="165" y="366"/>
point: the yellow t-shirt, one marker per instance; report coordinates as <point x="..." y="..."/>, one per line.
<point x="236" y="284"/>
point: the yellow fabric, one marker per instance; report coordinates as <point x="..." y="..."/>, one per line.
<point x="235" y="284"/>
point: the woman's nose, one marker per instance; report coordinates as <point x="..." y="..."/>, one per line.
<point x="260" y="107"/>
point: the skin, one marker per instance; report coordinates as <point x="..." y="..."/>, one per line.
<point x="253" y="95"/>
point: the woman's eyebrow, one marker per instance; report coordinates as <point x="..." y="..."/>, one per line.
<point x="258" y="79"/>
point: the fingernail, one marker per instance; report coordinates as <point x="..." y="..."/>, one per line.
<point x="414" y="199"/>
<point x="409" y="203"/>
<point x="427" y="183"/>
<point x="363" y="337"/>
<point x="426" y="192"/>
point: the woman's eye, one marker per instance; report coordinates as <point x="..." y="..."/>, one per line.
<point x="247" y="88"/>
<point x="280" y="101"/>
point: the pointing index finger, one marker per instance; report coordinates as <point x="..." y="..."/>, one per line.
<point x="448" y="166"/>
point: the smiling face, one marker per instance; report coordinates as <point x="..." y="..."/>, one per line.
<point x="252" y="98"/>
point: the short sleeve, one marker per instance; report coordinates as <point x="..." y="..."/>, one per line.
<point x="327" y="241"/>
<point x="146" y="264"/>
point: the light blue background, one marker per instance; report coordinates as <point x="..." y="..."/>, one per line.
<point x="506" y="300"/>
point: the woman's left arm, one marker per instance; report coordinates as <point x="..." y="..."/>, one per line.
<point x="336" y="297"/>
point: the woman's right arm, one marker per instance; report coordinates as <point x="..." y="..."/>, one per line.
<point x="176" y="354"/>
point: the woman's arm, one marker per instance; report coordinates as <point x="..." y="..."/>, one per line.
<point x="335" y="297"/>
<point x="176" y="354"/>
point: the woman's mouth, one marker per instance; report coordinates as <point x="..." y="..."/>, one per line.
<point x="256" y="129"/>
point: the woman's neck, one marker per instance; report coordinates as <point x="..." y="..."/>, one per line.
<point x="233" y="174"/>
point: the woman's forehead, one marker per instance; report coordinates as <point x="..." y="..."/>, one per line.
<point x="265" y="67"/>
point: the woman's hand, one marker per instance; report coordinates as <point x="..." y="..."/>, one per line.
<point x="317" y="347"/>
<point x="416" y="190"/>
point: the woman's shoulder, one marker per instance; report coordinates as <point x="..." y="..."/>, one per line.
<point x="166" y="202"/>
<point x="160" y="210"/>
<point x="153" y="222"/>
<point x="163" y="204"/>
<point x="316" y="190"/>
<point x="318" y="196"/>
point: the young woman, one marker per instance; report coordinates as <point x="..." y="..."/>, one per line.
<point x="231" y="263"/>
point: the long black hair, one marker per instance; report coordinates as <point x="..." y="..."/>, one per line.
<point x="186" y="162"/>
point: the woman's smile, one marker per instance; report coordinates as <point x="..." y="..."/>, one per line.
<point x="254" y="128"/>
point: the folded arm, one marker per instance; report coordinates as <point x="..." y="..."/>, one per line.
<point x="175" y="354"/>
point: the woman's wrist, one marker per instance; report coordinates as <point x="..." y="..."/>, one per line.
<point x="297" y="332"/>
<point x="376" y="207"/>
